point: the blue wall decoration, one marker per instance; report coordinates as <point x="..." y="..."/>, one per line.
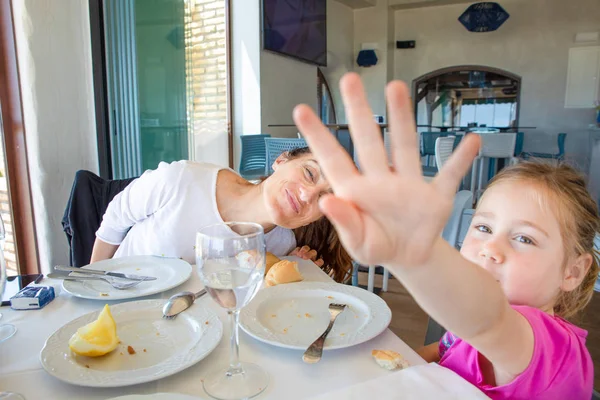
<point x="483" y="17"/>
<point x="366" y="58"/>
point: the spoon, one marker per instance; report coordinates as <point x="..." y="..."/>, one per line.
<point x="180" y="302"/>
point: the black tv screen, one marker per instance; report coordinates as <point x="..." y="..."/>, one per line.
<point x="297" y="28"/>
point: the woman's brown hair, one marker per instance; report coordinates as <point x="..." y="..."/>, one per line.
<point x="322" y="237"/>
<point x="578" y="216"/>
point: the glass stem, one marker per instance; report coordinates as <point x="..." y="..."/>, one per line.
<point x="234" y="355"/>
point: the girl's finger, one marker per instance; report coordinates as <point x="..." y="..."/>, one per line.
<point x="333" y="159"/>
<point x="366" y="135"/>
<point x="457" y="165"/>
<point x="312" y="254"/>
<point x="403" y="133"/>
<point x="319" y="263"/>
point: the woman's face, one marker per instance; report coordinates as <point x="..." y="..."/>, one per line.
<point x="292" y="192"/>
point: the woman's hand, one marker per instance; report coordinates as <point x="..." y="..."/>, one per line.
<point x="384" y="216"/>
<point x="307" y="253"/>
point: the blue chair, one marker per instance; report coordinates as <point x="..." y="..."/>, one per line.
<point x="558" y="156"/>
<point x="254" y="156"/>
<point x="519" y="144"/>
<point x="276" y="146"/>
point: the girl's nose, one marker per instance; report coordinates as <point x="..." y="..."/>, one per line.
<point x="493" y="252"/>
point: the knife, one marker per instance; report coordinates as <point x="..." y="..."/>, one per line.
<point x="98" y="272"/>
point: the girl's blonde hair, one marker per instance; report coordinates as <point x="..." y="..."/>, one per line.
<point x="578" y="217"/>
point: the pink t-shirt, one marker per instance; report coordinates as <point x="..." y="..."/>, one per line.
<point x="561" y="366"/>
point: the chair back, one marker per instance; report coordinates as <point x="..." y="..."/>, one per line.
<point x="498" y="145"/>
<point x="443" y="150"/>
<point x="561" y="144"/>
<point x="254" y="156"/>
<point x="519" y="144"/>
<point x="428" y="142"/>
<point x="276" y="146"/>
<point x="460" y="218"/>
<point x="89" y="198"/>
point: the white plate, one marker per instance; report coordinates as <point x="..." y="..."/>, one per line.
<point x="170" y="272"/>
<point x="295" y="314"/>
<point x="157" y="396"/>
<point x="171" y="345"/>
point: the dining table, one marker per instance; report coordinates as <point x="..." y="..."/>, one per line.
<point x="290" y="378"/>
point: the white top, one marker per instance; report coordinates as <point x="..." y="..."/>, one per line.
<point x="164" y="209"/>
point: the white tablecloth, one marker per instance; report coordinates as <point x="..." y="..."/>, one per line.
<point x="21" y="371"/>
<point x="421" y="382"/>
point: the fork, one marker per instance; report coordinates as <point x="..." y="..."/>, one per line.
<point x="315" y="350"/>
<point x="110" y="281"/>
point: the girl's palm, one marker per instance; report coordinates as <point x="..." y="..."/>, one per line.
<point x="383" y="214"/>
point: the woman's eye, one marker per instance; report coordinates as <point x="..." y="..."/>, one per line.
<point x="483" y="228"/>
<point x="311" y="176"/>
<point x="523" y="239"/>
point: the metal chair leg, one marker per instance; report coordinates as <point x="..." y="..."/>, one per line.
<point x="371" y="282"/>
<point x="386" y="278"/>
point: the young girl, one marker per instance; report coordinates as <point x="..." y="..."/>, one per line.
<point x="526" y="264"/>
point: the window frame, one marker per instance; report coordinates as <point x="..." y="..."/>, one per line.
<point x="15" y="147"/>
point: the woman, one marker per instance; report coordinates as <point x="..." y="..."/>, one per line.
<point x="160" y="212"/>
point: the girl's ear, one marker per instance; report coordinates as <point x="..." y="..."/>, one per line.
<point x="576" y="271"/>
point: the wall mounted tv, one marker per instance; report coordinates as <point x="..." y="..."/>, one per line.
<point x="296" y="28"/>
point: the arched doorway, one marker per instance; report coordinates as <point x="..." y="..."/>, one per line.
<point x="465" y="96"/>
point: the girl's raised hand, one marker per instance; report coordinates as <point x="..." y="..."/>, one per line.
<point x="384" y="216"/>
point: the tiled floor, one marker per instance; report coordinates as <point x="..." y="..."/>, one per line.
<point x="409" y="322"/>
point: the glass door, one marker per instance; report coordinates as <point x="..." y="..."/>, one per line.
<point x="146" y="81"/>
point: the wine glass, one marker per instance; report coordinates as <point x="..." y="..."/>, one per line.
<point x="231" y="263"/>
<point x="6" y="330"/>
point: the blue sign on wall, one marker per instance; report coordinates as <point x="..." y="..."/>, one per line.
<point x="483" y="17"/>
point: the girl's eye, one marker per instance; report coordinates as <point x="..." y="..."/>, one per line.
<point x="483" y="228"/>
<point x="523" y="239"/>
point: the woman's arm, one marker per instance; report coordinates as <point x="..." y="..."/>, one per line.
<point x="103" y="251"/>
<point x="430" y="353"/>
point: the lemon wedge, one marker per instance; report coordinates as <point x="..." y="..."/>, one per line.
<point x="96" y="338"/>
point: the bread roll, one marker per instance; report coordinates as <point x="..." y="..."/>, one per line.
<point x="389" y="359"/>
<point x="247" y="259"/>
<point x="283" y="272"/>
<point x="272" y="259"/>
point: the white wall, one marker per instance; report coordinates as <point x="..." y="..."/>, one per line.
<point x="341" y="57"/>
<point x="284" y="83"/>
<point x="267" y="86"/>
<point x="371" y="26"/>
<point x="533" y="43"/>
<point x="245" y="61"/>
<point x="55" y="67"/>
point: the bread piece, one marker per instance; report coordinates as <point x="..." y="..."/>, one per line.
<point x="389" y="359"/>
<point x="272" y="259"/>
<point x="284" y="271"/>
<point x="247" y="259"/>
